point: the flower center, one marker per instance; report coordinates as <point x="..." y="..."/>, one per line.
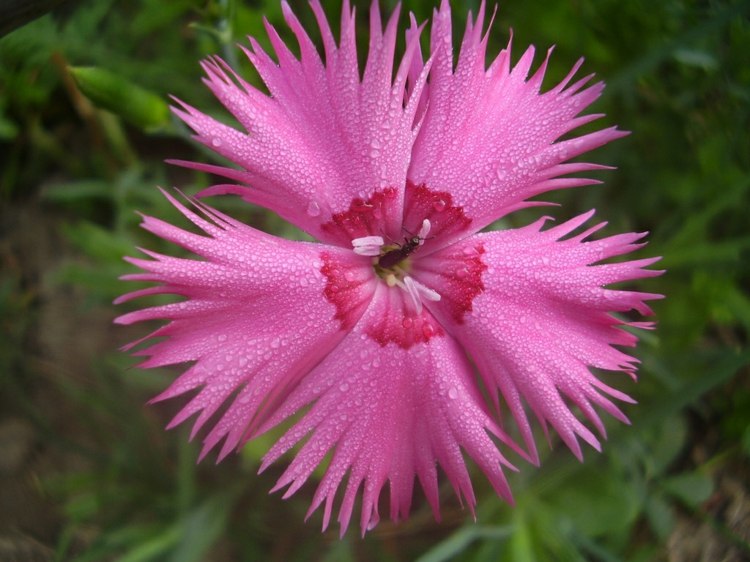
<point x="414" y="239"/>
<point x="391" y="263"/>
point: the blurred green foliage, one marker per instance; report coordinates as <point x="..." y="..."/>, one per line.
<point x="83" y="135"/>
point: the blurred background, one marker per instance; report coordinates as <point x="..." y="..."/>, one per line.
<point x="87" y="472"/>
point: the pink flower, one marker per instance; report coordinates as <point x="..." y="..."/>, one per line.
<point x="378" y="340"/>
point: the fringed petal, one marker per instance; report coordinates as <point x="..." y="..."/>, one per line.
<point x="489" y="136"/>
<point x="543" y="318"/>
<point x="383" y="413"/>
<point x="323" y="137"/>
<point x="253" y="323"/>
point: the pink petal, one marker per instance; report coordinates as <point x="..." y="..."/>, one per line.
<point x="253" y="323"/>
<point x="385" y="413"/>
<point x="543" y="319"/>
<point x="322" y="137"/>
<point x="489" y="137"/>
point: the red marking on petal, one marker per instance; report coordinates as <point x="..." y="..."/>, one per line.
<point x="446" y="219"/>
<point x="400" y="326"/>
<point x="347" y="287"/>
<point x="365" y="217"/>
<point x="456" y="274"/>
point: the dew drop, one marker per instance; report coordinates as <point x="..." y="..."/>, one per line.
<point x="453" y="393"/>
<point x="439" y="205"/>
<point x="313" y="209"/>
<point x="216" y="142"/>
<point x="407" y="322"/>
<point x="344" y="387"/>
<point x="222" y="337"/>
<point x="276" y="343"/>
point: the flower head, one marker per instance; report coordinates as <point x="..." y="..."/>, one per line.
<point x="384" y="333"/>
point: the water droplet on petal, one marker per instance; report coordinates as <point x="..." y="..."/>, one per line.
<point x="344" y="387"/>
<point x="453" y="393"/>
<point x="439" y="205"/>
<point x="313" y="209"/>
<point x="216" y="142"/>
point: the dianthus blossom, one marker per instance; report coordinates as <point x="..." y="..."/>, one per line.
<point x="407" y="337"/>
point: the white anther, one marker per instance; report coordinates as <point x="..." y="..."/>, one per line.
<point x="368" y="245"/>
<point x="417" y="292"/>
<point x="424" y="231"/>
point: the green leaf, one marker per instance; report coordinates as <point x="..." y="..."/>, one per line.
<point x="660" y="516"/>
<point x="8" y="129"/>
<point x="691" y="488"/>
<point x="76" y="191"/>
<point x="461" y="539"/>
<point x="153" y="548"/>
<point x="115" y="93"/>
<point x="595" y="502"/>
<point x="99" y="243"/>
<point x="200" y="529"/>
<point x="665" y="440"/>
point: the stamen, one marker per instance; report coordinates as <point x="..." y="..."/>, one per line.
<point x="417" y="292"/>
<point x="424" y="231"/>
<point x="395" y="276"/>
<point x="368" y="245"/>
<point x="409" y="286"/>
